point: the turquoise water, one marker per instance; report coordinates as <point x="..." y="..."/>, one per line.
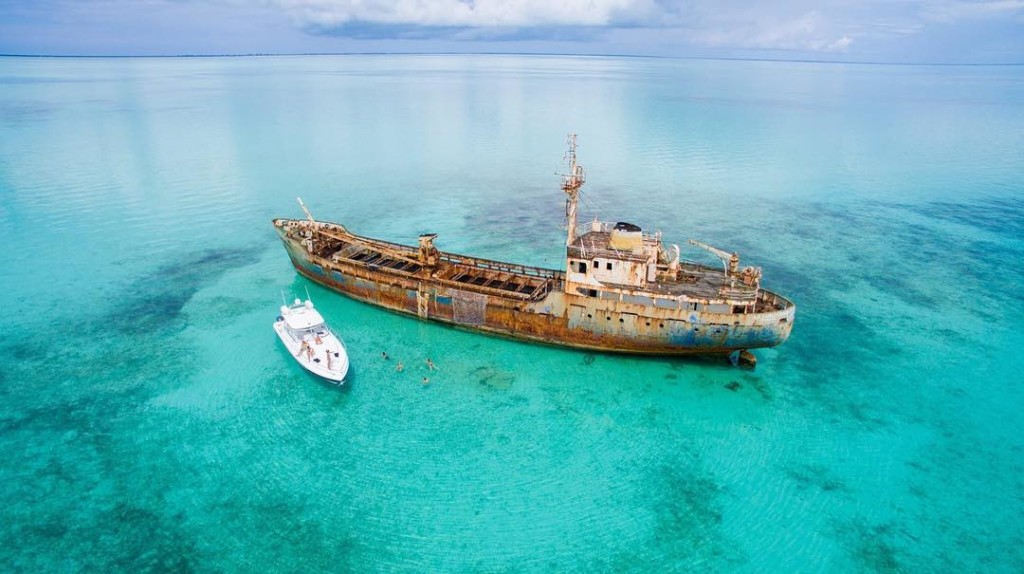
<point x="150" y="420"/>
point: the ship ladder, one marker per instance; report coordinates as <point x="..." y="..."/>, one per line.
<point x="422" y="302"/>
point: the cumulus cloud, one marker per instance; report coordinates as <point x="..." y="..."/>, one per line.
<point x="468" y="13"/>
<point x="728" y="23"/>
<point x="787" y="25"/>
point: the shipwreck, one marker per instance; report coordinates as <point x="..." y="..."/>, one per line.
<point x="621" y="290"/>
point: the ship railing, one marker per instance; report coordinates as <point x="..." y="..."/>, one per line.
<point x="370" y="242"/>
<point x="542" y="289"/>
<point x="608" y="226"/>
<point x="513" y="268"/>
<point x="768" y="302"/>
<point x="488" y="264"/>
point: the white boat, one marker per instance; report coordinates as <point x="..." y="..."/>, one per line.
<point x="313" y="344"/>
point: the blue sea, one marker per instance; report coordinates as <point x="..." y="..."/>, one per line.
<point x="151" y="421"/>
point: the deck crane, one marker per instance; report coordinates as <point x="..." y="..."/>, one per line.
<point x="731" y="265"/>
<point x="730" y="261"/>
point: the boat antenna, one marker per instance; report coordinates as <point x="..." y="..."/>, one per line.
<point x="283" y="300"/>
<point x="571" y="184"/>
<point x="309" y="215"/>
<point x="307" y="292"/>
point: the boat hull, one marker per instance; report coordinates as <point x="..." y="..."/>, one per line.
<point x="557" y="318"/>
<point x="334" y="369"/>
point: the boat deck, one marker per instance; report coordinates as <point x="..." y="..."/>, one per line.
<point x="597" y="244"/>
<point x="465" y="272"/>
<point x="692" y="280"/>
<point x="701" y="282"/>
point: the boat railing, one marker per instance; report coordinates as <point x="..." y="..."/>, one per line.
<point x="513" y="268"/>
<point x="608" y="226"/>
<point x="488" y="264"/>
<point x="768" y="302"/>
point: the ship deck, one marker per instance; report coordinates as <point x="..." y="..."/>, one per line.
<point x="692" y="280"/>
<point x="702" y="282"/>
<point x="597" y="244"/>
<point x="464" y="272"/>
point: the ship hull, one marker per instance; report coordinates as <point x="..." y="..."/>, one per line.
<point x="556" y="318"/>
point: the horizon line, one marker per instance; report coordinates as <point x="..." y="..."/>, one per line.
<point x="547" y="54"/>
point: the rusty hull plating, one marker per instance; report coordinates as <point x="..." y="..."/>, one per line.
<point x="622" y="291"/>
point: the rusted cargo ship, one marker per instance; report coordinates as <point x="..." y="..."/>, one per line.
<point x="621" y="291"/>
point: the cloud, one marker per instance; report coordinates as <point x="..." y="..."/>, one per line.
<point x="467" y="13"/>
<point x="839" y="45"/>
<point x="731" y="23"/>
<point x="763" y="30"/>
<point x="925" y="30"/>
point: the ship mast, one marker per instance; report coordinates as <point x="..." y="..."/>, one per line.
<point x="571" y="184"/>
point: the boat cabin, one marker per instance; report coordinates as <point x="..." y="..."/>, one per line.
<point x="301" y="320"/>
<point x="617" y="255"/>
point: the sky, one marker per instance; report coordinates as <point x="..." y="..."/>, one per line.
<point x="892" y="31"/>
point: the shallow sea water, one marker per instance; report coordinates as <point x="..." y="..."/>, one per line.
<point x="150" y="420"/>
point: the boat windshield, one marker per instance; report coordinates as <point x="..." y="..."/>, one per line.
<point x="309" y="332"/>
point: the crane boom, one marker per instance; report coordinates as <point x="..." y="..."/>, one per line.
<point x="309" y="215"/>
<point x="730" y="261"/>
